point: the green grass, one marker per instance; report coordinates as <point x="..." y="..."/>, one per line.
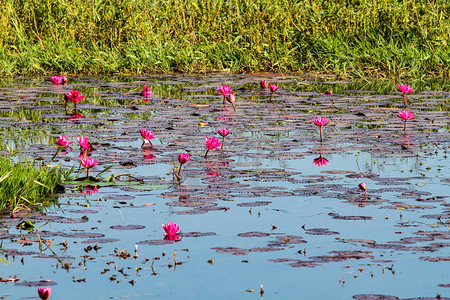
<point x="352" y="38"/>
<point x="29" y="184"/>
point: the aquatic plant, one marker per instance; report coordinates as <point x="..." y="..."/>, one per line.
<point x="58" y="79"/>
<point x="211" y="143"/>
<point x="63" y="141"/>
<point x="264" y="84"/>
<point x="320" y="121"/>
<point x="147" y="135"/>
<point x="232" y="98"/>
<point x="405" y="115"/>
<point x="147" y="92"/>
<point x="273" y="89"/>
<point x="405" y="89"/>
<point x="84" y="143"/>
<point x="182" y="158"/>
<point x="25" y="184"/>
<point x="223" y="132"/>
<point x="74" y="97"/>
<point x="171" y="230"/>
<point x="225" y="91"/>
<point x="88" y="163"/>
<point x="44" y="292"/>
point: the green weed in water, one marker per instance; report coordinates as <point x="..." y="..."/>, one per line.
<point x="29" y="184"/>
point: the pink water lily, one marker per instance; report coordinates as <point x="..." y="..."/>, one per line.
<point x="223" y="132"/>
<point x="182" y="158"/>
<point x="63" y="141"/>
<point x="405" y="89"/>
<point x="58" y="79"/>
<point x="84" y="142"/>
<point x="147" y="135"/>
<point x="74" y="97"/>
<point x="264" y="84"/>
<point x="405" y="115"/>
<point x="232" y="98"/>
<point x="273" y="88"/>
<point x="171" y="230"/>
<point x="88" y="163"/>
<point x="211" y="143"/>
<point x="320" y="161"/>
<point x="320" y="121"/>
<point x="225" y="90"/>
<point x="44" y="292"/>
<point x="147" y="92"/>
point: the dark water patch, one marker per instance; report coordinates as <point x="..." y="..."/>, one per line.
<point x="253" y="234"/>
<point x="17" y="252"/>
<point x="38" y="283"/>
<point x="156" y="242"/>
<point x="254" y="204"/>
<point x="83" y="211"/>
<point x="374" y="297"/>
<point x="265" y="249"/>
<point x="127" y="227"/>
<point x="198" y="234"/>
<point x="101" y="241"/>
<point x="320" y="231"/>
<point x="58" y="257"/>
<point x="190" y="203"/>
<point x="350" y="218"/>
<point x="342" y="256"/>
<point x="435" y="259"/>
<point x="232" y="250"/>
<point x="284" y="240"/>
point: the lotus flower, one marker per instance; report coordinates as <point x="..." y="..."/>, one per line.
<point x="273" y="88"/>
<point x="74" y="97"/>
<point x="74" y="116"/>
<point x="264" y="84"/>
<point x="223" y="132"/>
<point x="405" y="89"/>
<point x="225" y="91"/>
<point x="88" y="163"/>
<point x="182" y="158"/>
<point x="84" y="142"/>
<point x="147" y="135"/>
<point x="328" y="93"/>
<point x="147" y="92"/>
<point x="405" y="115"/>
<point x="44" y="292"/>
<point x="59" y="79"/>
<point x="319" y="121"/>
<point x="63" y="141"/>
<point x="320" y="161"/>
<point x="171" y="230"/>
<point x="232" y="98"/>
<point x="211" y="143"/>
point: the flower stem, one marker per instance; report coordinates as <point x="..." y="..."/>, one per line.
<point x="224" y="99"/>
<point x="321" y="139"/>
<point x="206" y="152"/>
<point x="404" y="99"/>
<point x="87" y="175"/>
<point x="271" y="95"/>
<point x="404" y="127"/>
<point x="179" y="170"/>
<point x="223" y="141"/>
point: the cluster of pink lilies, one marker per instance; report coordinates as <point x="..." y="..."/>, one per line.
<point x="87" y="162"/>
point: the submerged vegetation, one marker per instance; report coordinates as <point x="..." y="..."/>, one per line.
<point x="350" y="38"/>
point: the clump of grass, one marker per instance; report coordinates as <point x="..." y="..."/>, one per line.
<point x="29" y="184"/>
<point x="351" y="38"/>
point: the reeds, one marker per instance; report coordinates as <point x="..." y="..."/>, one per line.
<point x="401" y="38"/>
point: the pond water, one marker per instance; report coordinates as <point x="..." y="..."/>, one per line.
<point x="259" y="212"/>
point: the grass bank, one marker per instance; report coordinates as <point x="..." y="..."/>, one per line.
<point x="403" y="38"/>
